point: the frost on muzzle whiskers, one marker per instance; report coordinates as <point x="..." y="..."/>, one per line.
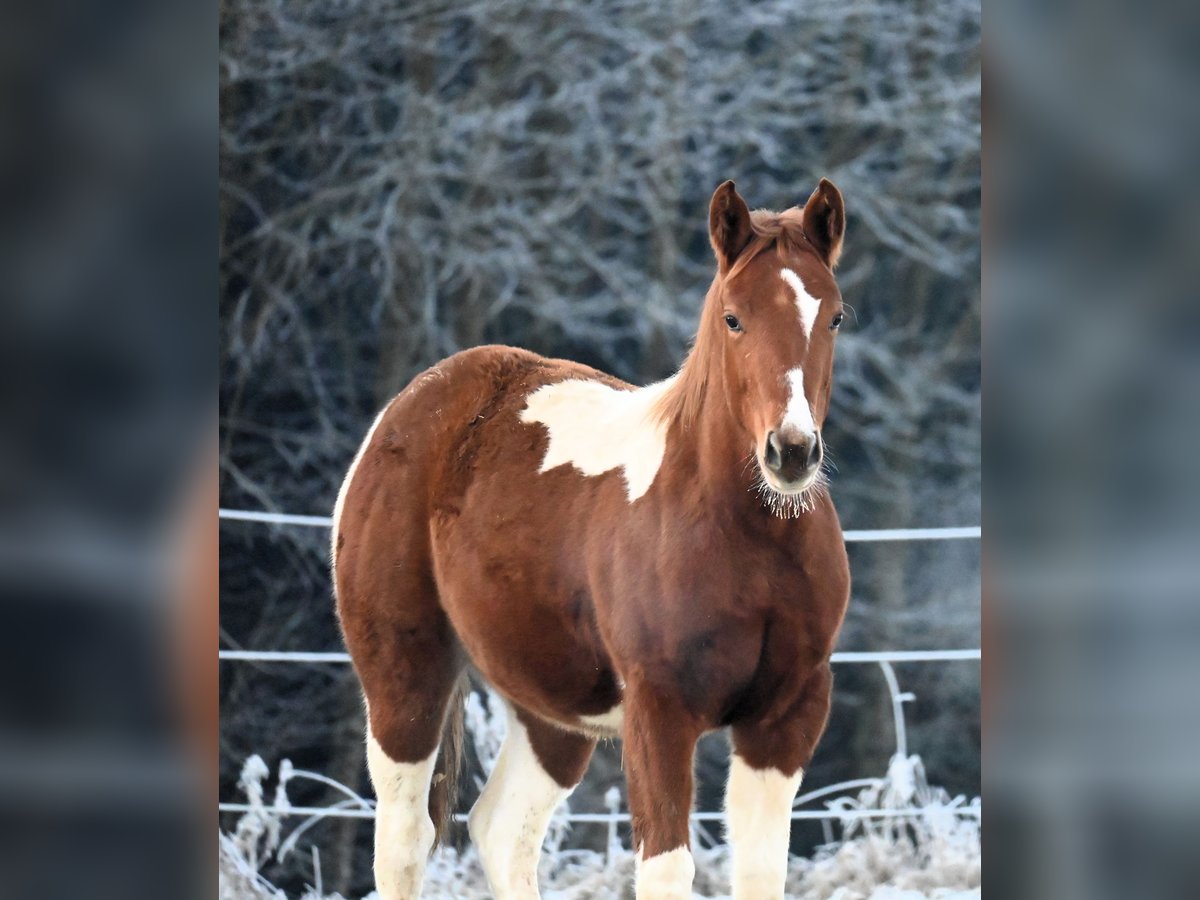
<point x="790" y="505"/>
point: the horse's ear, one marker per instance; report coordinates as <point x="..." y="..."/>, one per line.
<point x="825" y="221"/>
<point x="729" y="226"/>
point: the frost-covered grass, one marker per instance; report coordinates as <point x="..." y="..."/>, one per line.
<point x="931" y="850"/>
<point x="934" y="852"/>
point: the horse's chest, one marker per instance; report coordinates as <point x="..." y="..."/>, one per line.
<point x="706" y="671"/>
<point x="714" y="634"/>
<point x="718" y="673"/>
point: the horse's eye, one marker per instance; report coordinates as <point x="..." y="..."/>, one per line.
<point x="733" y="323"/>
<point x="837" y="321"/>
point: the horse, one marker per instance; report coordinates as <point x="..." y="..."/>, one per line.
<point x="644" y="563"/>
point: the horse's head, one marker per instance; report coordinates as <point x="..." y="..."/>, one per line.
<point x="772" y="319"/>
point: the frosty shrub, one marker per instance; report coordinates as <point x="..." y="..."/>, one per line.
<point x="931" y="850"/>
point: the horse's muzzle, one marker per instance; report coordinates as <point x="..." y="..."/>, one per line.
<point x="792" y="460"/>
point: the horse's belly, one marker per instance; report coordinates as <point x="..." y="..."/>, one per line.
<point x="533" y="637"/>
<point x="571" y="685"/>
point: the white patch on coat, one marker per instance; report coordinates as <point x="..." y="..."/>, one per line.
<point x="606" y="724"/>
<point x="667" y="876"/>
<point x="404" y="832"/>
<point x="797" y="417"/>
<point x="758" y="810"/>
<point x="807" y="305"/>
<point x="509" y="820"/>
<point x="597" y="428"/>
<point x="345" y="488"/>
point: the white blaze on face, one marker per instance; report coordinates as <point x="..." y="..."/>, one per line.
<point x="798" y="417"/>
<point x="596" y="428"/>
<point x="807" y="305"/>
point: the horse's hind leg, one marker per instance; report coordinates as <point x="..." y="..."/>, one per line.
<point x="538" y="766"/>
<point x="407" y="659"/>
<point x="404" y="831"/>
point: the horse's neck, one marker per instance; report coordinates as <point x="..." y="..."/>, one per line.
<point x="712" y="453"/>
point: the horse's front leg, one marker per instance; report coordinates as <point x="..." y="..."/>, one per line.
<point x="659" y="743"/>
<point x="768" y="761"/>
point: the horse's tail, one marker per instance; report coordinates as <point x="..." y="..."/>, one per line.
<point x="443" y="793"/>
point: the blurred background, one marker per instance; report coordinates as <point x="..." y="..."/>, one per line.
<point x="108" y="150"/>
<point x="401" y="182"/>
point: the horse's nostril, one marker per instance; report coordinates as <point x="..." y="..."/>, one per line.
<point x="773" y="456"/>
<point x="814" y="453"/>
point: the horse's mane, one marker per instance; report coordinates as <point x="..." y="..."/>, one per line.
<point x="682" y="402"/>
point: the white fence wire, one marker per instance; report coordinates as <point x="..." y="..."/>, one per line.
<point x="361" y="808"/>
<point x="860" y="536"/>
<point x="301" y="656"/>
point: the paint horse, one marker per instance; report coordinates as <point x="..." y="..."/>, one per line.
<point x="644" y="563"/>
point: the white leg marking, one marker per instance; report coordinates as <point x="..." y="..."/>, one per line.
<point x="403" y="830"/>
<point x="806" y="304"/>
<point x="798" y="418"/>
<point x="341" y="497"/>
<point x="667" y="876"/>
<point x="508" y="823"/>
<point x="597" y="428"/>
<point x="758" y="807"/>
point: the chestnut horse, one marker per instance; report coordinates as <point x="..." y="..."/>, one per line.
<point x="645" y="563"/>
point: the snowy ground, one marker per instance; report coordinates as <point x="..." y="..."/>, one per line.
<point x="858" y="870"/>
<point x="931" y="852"/>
